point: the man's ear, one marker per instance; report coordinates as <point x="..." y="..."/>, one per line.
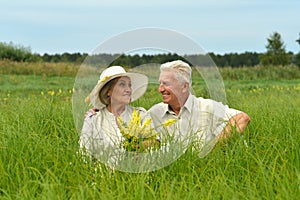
<point x="186" y="87"/>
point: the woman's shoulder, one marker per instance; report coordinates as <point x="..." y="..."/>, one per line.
<point x="94" y="114"/>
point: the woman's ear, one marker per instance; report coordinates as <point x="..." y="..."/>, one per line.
<point x="109" y="92"/>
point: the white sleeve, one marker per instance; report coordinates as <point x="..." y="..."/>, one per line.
<point x="98" y="145"/>
<point x="220" y="115"/>
<point x="86" y="136"/>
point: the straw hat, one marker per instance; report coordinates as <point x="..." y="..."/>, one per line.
<point x="139" y="83"/>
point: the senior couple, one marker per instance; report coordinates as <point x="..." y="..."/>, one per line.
<point x="198" y="120"/>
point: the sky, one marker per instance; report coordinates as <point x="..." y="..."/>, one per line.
<point x="218" y="26"/>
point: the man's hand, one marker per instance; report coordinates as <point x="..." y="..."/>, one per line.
<point x="91" y="112"/>
<point x="239" y="121"/>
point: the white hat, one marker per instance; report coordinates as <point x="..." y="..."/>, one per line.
<point x="139" y="83"/>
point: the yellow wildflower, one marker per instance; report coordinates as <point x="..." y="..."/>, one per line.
<point x="87" y="99"/>
<point x="169" y="122"/>
<point x="59" y="92"/>
<point x="136" y="117"/>
<point x="147" y="123"/>
<point x="51" y="92"/>
<point x="135" y="133"/>
<point x="104" y="79"/>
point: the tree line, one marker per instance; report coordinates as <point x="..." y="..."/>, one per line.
<point x="275" y="55"/>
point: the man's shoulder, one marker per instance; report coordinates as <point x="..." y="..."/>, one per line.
<point x="204" y="100"/>
<point x="206" y="104"/>
<point x="158" y="106"/>
<point x="158" y="109"/>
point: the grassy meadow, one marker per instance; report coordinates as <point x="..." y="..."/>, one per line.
<point x="39" y="143"/>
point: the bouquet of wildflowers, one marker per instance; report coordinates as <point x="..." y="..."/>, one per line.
<point x="140" y="137"/>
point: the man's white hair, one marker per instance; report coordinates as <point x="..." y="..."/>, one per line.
<point x="182" y="70"/>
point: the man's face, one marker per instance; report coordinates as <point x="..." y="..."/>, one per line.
<point x="170" y="88"/>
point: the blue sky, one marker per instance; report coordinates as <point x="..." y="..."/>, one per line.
<point x="57" y="26"/>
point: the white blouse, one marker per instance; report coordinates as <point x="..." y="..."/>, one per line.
<point x="101" y="138"/>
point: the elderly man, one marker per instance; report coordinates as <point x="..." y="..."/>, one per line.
<point x="199" y="120"/>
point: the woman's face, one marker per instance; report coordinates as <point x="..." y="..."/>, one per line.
<point x="120" y="93"/>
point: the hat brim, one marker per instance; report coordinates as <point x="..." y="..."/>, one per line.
<point x="139" y="83"/>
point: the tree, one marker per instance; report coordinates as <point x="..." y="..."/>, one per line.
<point x="276" y="54"/>
<point x="298" y="39"/>
<point x="17" y="53"/>
<point x="297" y="57"/>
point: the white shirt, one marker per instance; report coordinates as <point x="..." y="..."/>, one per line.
<point x="101" y="137"/>
<point x="199" y="120"/>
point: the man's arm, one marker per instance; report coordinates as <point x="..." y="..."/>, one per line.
<point x="238" y="121"/>
<point x="91" y="112"/>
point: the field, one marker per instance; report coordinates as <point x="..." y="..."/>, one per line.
<point x="39" y="145"/>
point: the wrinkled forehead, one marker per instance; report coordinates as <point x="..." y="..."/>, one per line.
<point x="167" y="76"/>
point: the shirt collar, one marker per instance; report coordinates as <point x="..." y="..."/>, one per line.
<point x="188" y="105"/>
<point x="165" y="110"/>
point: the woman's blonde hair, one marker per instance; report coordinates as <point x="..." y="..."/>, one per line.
<point x="103" y="94"/>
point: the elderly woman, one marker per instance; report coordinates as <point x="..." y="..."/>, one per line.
<point x="100" y="136"/>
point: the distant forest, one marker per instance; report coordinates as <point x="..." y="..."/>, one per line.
<point x="275" y="55"/>
<point x="231" y="59"/>
<point x="248" y="59"/>
<point x="22" y="54"/>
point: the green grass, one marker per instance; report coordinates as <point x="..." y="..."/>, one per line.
<point x="39" y="145"/>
